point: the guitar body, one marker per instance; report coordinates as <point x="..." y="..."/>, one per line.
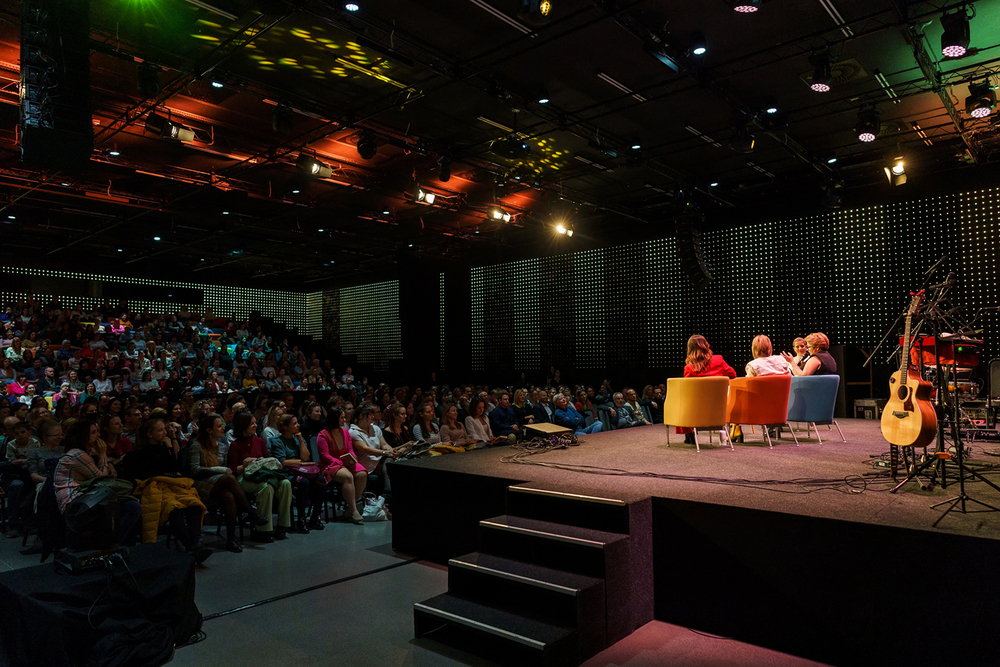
<point x="909" y="419"/>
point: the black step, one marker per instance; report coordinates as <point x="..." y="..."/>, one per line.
<point x="574" y="509"/>
<point x="493" y="633"/>
<point x="593" y="553"/>
<point x="553" y="596"/>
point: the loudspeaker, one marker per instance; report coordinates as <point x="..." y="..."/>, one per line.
<point x="994" y="388"/>
<point x="688" y="234"/>
<point x="57" y="130"/>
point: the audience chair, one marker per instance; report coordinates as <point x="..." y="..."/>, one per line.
<point x="812" y="400"/>
<point x="605" y="417"/>
<point x="760" y="401"/>
<point x="697" y="403"/>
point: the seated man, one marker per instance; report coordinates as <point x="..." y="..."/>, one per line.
<point x="542" y="411"/>
<point x="621" y="415"/>
<point x="632" y="403"/>
<point x="503" y="419"/>
<point x="655" y="405"/>
<point x="566" y="415"/>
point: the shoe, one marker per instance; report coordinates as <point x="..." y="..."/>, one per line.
<point x="280" y="533"/>
<point x="258" y="520"/>
<point x="202" y="553"/>
<point x="355" y="519"/>
<point x="300" y="528"/>
<point x="316" y="524"/>
<point x="258" y="536"/>
<point x="234" y="546"/>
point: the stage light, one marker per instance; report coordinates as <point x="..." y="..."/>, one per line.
<point x="821" y="78"/>
<point x="386" y="212"/>
<point x="444" y="170"/>
<point x="869" y="125"/>
<point x="497" y="214"/>
<point x="148" y="80"/>
<point x="535" y="9"/>
<point x="742" y="141"/>
<point x="167" y="129"/>
<point x="114" y="152"/>
<point x="956" y="36"/>
<point x="746" y="6"/>
<point x="713" y="185"/>
<point x="156" y="238"/>
<point x="831" y="160"/>
<point x="313" y="167"/>
<point x="981" y="100"/>
<point x="424" y="196"/>
<point x="352" y="6"/>
<point x="771" y="110"/>
<point x="636" y="144"/>
<point x="295" y="192"/>
<point x="698" y="45"/>
<point x="367" y="145"/>
<point x="120" y="250"/>
<point x="895" y="172"/>
<point x="561" y="228"/>
<point x="511" y="147"/>
<point x="542" y="97"/>
<point x="321" y="230"/>
<point x="217" y="84"/>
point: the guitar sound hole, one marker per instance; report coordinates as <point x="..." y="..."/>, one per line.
<point x="901" y="393"/>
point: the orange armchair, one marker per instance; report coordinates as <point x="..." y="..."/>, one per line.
<point x="761" y="401"/>
<point x="697" y="403"/>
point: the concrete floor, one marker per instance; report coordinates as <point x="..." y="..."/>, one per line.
<point x="366" y="617"/>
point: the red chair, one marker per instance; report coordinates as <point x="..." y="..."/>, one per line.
<point x="761" y="401"/>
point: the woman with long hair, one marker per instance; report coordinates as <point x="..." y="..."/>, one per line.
<point x="215" y="481"/>
<point x="423" y="426"/>
<point x="111" y="432"/>
<point x="478" y="425"/>
<point x="521" y="407"/>
<point x="271" y="496"/>
<point x="451" y="429"/>
<point x="339" y="463"/>
<point x="702" y="362"/>
<point x="395" y="431"/>
<point x="291" y="449"/>
<point x="274" y="413"/>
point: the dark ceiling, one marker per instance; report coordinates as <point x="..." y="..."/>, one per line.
<point x="453" y="80"/>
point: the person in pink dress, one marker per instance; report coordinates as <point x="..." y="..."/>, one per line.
<point x="702" y="362"/>
<point x="340" y="464"/>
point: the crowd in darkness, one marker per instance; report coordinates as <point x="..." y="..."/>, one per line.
<point x="195" y="411"/>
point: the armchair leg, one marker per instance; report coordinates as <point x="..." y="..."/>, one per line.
<point x="697" y="447"/>
<point x="816" y="429"/>
<point x="839" y="431"/>
<point x="793" y="434"/>
<point x="668" y="434"/>
<point x="725" y="436"/>
<point x="767" y="435"/>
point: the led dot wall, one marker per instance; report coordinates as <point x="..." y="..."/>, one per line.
<point x="364" y="320"/>
<point x="846" y="273"/>
<point x="91" y="290"/>
<point x="441" y="321"/>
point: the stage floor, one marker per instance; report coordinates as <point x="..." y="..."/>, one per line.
<point x="694" y="476"/>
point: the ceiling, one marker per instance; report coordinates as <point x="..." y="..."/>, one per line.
<point x="452" y="81"/>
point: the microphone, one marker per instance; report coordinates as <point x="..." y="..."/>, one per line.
<point x="950" y="281"/>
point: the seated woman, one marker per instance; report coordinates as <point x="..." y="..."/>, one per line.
<point x="820" y="361"/>
<point x="147" y="383"/>
<point x="215" y="481"/>
<point x="289" y="447"/>
<point x="478" y="426"/>
<point x="423" y="426"/>
<point x="86" y="458"/>
<point x="271" y="383"/>
<point x="369" y="445"/>
<point x="153" y="457"/>
<point x="395" y="432"/>
<point x="522" y="408"/>
<point x="243" y="451"/>
<point x="702" y="362"/>
<point x="249" y="381"/>
<point x="452" y="430"/>
<point x="339" y="463"/>
<point x="801" y="352"/>
<point x="111" y="433"/>
<point x="274" y="412"/>
<point x="765" y="362"/>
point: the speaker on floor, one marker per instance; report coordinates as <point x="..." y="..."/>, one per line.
<point x="687" y="229"/>
<point x="57" y="130"/>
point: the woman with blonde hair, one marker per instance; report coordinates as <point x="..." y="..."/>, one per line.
<point x="820" y="361"/>
<point x="801" y="352"/>
<point x="765" y="362"/>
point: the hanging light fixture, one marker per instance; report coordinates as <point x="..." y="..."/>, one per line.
<point x="869" y="125"/>
<point x="495" y="213"/>
<point x="956" y="36"/>
<point x="821" y="78"/>
<point x="746" y="6"/>
<point x="981" y="101"/>
<point x="310" y="165"/>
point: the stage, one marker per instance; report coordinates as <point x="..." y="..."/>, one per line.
<point x="795" y="548"/>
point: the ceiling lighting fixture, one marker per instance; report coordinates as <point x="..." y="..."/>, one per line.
<point x="114" y="152"/>
<point x="310" y="165"/>
<point x="636" y="144"/>
<point x="698" y="45"/>
<point x="771" y="110"/>
<point x="425" y="196"/>
<point x="981" y="100"/>
<point x="713" y="185"/>
<point x="157" y="124"/>
<point x="496" y="214"/>
<point x="542" y="97"/>
<point x="746" y="6"/>
<point x="367" y="147"/>
<point x="831" y="160"/>
<point x="869" y="125"/>
<point x="896" y="171"/>
<point x="742" y="141"/>
<point x="821" y="78"/>
<point x="156" y="238"/>
<point x="535" y="10"/>
<point x="352" y="6"/>
<point x="512" y="147"/>
<point x="565" y="228"/>
<point x="956" y="36"/>
<point x="217" y="84"/>
<point x="444" y="169"/>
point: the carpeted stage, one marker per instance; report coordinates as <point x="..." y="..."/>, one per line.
<point x="801" y="549"/>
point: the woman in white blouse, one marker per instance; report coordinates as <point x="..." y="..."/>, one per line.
<point x="424" y="427"/>
<point x="478" y="426"/>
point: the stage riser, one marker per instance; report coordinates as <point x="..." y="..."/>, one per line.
<point x="838" y="592"/>
<point x="569" y="510"/>
<point x="588" y="561"/>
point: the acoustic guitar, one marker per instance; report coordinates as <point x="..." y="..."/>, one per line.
<point x="909" y="419"/>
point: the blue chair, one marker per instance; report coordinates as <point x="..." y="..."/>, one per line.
<point x="605" y="417"/>
<point x="812" y="399"/>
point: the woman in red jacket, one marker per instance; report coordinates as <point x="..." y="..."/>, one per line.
<point x="702" y="362"/>
<point x="276" y="498"/>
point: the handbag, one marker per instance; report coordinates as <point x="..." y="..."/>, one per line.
<point x="307" y="470"/>
<point x="374" y="509"/>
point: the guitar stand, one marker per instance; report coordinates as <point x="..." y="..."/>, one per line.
<point x="914" y="472"/>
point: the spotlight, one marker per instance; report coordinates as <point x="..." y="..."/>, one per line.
<point x="538" y="10"/>
<point x="561" y="228"/>
<point x="869" y="125"/>
<point x="496" y="214"/>
<point x="831" y="160"/>
<point x="366" y="145"/>
<point x="512" y="147"/>
<point x="821" y="78"/>
<point x="542" y="96"/>
<point x="217" y="84"/>
<point x="148" y="80"/>
<point x="444" y="170"/>
<point x="313" y="167"/>
<point x="156" y="238"/>
<point x="895" y="171"/>
<point x="956" y="36"/>
<point x="771" y="110"/>
<point x="157" y="124"/>
<point x="742" y="141"/>
<point x="114" y="152"/>
<point x="636" y="144"/>
<point x="746" y="6"/>
<point x="981" y="100"/>
<point x="352" y="6"/>
<point x="425" y="196"/>
<point x="698" y="45"/>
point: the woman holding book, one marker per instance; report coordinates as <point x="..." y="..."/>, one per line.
<point x="339" y="463"/>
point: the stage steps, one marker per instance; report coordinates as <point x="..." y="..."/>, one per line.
<point x="550" y="584"/>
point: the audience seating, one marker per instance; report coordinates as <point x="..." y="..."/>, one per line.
<point x="760" y="401"/>
<point x="697" y="403"/>
<point x="812" y="399"/>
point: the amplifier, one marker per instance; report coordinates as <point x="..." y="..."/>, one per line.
<point x="869" y="408"/>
